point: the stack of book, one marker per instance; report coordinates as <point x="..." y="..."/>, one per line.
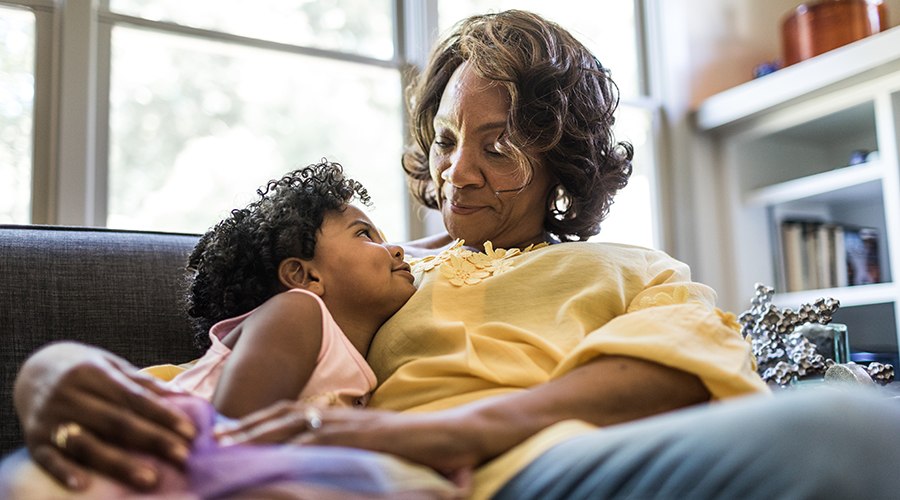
<point x="819" y="255"/>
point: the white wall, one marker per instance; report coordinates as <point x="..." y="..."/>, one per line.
<point x="702" y="47"/>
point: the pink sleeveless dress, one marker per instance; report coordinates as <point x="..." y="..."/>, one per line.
<point x="341" y="376"/>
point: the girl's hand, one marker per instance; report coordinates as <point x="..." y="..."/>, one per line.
<point x="435" y="439"/>
<point x="82" y="409"/>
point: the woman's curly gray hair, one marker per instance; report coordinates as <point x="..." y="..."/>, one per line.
<point x="561" y="114"/>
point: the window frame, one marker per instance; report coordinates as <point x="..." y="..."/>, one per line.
<point x="43" y="107"/>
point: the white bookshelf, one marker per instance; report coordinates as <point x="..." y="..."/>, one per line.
<point x="784" y="143"/>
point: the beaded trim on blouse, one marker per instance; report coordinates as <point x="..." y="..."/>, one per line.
<point x="465" y="267"/>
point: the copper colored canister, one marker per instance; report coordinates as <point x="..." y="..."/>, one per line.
<point x="817" y="27"/>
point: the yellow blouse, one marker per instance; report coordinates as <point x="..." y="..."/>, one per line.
<point x="497" y="322"/>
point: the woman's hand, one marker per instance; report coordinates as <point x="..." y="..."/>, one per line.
<point x="437" y="439"/>
<point x="83" y="408"/>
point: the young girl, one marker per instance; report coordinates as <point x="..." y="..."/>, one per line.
<point x="291" y="291"/>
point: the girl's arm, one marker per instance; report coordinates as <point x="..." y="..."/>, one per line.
<point x="123" y="413"/>
<point x="605" y="391"/>
<point x="274" y="356"/>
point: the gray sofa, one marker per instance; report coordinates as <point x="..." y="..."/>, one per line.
<point x="120" y="290"/>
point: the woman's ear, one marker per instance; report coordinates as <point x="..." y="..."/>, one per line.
<point x="294" y="272"/>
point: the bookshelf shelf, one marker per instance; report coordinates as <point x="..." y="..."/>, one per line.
<point x="850" y="296"/>
<point x="842" y="184"/>
<point x="784" y="144"/>
<point x="866" y="59"/>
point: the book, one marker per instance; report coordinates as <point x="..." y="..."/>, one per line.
<point x="861" y="251"/>
<point x="826" y="256"/>
<point x="792" y="246"/>
<point x="811" y="256"/>
<point x="840" y="259"/>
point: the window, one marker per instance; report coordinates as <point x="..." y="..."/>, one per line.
<point x="170" y="113"/>
<point x="17" y="53"/>
<point x="607" y="27"/>
<point x="364" y="27"/>
<point x="199" y="119"/>
<point x="194" y="123"/>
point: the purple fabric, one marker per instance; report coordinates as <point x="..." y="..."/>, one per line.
<point x="216" y="472"/>
<point x="251" y="471"/>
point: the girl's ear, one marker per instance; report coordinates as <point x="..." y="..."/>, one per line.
<point x="294" y="272"/>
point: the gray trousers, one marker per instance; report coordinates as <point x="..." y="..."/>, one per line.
<point x="799" y="444"/>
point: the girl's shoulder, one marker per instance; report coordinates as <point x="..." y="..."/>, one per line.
<point x="302" y="303"/>
<point x="294" y="302"/>
<point x="299" y="294"/>
<point x="285" y="312"/>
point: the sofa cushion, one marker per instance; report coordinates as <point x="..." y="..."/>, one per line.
<point x="120" y="290"/>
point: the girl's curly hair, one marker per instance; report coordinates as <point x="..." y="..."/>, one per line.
<point x="561" y="114"/>
<point x="234" y="267"/>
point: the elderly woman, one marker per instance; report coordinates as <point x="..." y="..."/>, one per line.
<point x="517" y="359"/>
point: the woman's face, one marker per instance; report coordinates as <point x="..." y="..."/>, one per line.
<point x="480" y="191"/>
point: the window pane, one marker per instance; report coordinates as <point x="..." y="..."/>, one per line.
<point x="17" y="46"/>
<point x="196" y="126"/>
<point x="630" y="218"/>
<point x="362" y="27"/>
<point x="606" y="27"/>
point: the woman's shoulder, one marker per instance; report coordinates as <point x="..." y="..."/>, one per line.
<point x="591" y="257"/>
<point x="604" y="250"/>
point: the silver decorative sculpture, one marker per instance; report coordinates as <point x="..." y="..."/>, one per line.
<point x="782" y="353"/>
<point x="881" y="373"/>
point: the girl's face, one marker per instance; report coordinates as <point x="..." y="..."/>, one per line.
<point x="480" y="191"/>
<point x="361" y="273"/>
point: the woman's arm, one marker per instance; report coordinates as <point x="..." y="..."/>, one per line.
<point x="119" y="412"/>
<point x="274" y="356"/>
<point x="605" y="391"/>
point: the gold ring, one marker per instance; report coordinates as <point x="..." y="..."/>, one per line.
<point x="313" y="418"/>
<point x="62" y="433"/>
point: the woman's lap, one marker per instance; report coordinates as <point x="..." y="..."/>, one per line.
<point x="22" y="479"/>
<point x="809" y="444"/>
<point x="803" y="444"/>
